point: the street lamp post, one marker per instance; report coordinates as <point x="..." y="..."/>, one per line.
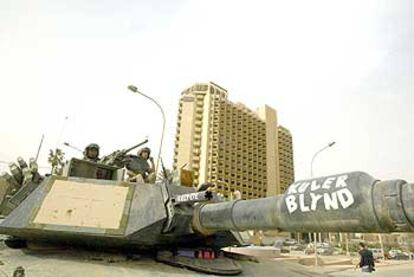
<point x="313" y="159"/>
<point x="135" y="90"/>
<point x="319" y="151"/>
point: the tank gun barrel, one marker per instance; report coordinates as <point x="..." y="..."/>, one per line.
<point x="350" y="202"/>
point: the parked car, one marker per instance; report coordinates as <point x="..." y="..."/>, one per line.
<point x="322" y="249"/>
<point x="323" y="245"/>
<point x="278" y="243"/>
<point x="290" y="242"/>
<point x="298" y="247"/>
<point x="400" y="256"/>
<point x="325" y="250"/>
<point x="393" y="253"/>
<point x="377" y="253"/>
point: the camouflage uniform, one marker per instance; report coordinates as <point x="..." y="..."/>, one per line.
<point x="138" y="167"/>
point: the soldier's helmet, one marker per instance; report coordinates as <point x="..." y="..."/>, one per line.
<point x="145" y="149"/>
<point x="92" y="146"/>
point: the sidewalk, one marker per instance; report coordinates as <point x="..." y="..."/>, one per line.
<point x="405" y="268"/>
<point x="345" y="265"/>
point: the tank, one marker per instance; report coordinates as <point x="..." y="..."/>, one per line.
<point x="92" y="206"/>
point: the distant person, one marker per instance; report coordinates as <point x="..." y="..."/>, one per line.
<point x="237" y="195"/>
<point x="366" y="262"/>
<point x="91" y="153"/>
<point x="141" y="167"/>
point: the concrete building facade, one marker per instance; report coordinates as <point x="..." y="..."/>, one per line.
<point x="230" y="145"/>
<point x="287" y="170"/>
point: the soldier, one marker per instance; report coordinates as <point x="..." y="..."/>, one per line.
<point x="91" y="153"/>
<point x="138" y="167"/>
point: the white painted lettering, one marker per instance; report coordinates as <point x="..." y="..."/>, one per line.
<point x="342" y="198"/>
<point x="302" y="206"/>
<point x="328" y="182"/>
<point x="291" y="205"/>
<point x="340" y="182"/>
<point x="292" y="188"/>
<point x="315" y="186"/>
<point x="315" y="198"/>
<point x="303" y="187"/>
<point x="345" y="193"/>
<point x="330" y="201"/>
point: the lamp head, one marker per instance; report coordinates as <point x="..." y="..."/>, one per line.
<point x="133" y="88"/>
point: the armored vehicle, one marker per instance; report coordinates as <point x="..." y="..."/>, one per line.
<point x="91" y="206"/>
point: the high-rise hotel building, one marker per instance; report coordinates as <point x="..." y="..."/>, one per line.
<point x="230" y="145"/>
<point x="286" y="169"/>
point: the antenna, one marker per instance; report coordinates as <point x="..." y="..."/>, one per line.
<point x="71" y="146"/>
<point x="61" y="131"/>
<point x="40" y="147"/>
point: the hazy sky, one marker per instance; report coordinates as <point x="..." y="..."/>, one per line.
<point x="334" y="70"/>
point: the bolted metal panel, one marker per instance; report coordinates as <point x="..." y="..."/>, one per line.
<point x="389" y="205"/>
<point x="407" y="193"/>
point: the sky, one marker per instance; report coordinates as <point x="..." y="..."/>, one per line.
<point x="334" y="70"/>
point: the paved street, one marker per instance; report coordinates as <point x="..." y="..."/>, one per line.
<point x="393" y="269"/>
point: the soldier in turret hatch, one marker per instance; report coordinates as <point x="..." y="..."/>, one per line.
<point x="141" y="167"/>
<point x="91" y="153"/>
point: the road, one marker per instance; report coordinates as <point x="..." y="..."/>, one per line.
<point x="394" y="269"/>
<point x="70" y="262"/>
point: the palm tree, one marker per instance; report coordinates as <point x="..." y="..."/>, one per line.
<point x="57" y="161"/>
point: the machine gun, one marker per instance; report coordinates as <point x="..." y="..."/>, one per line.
<point x="117" y="158"/>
